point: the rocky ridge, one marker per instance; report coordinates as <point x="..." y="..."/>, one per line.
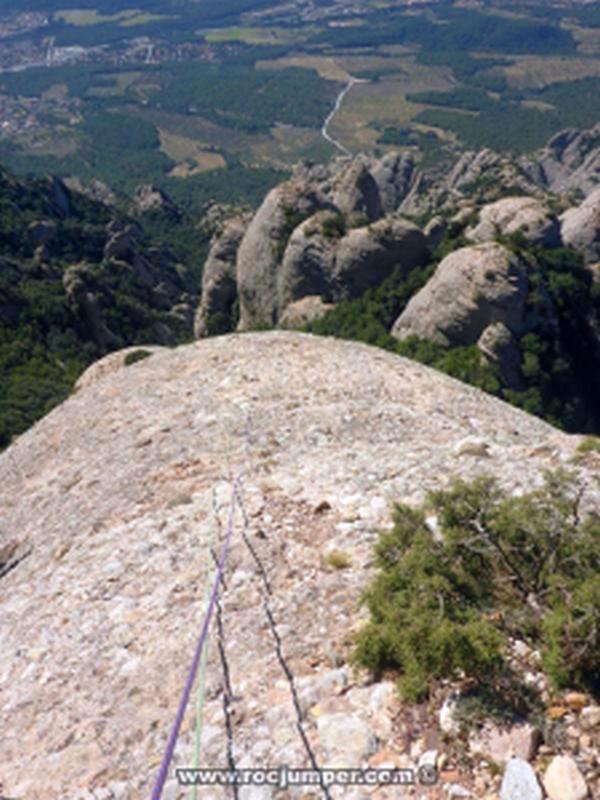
<point x="334" y="230"/>
<point x="511" y="283"/>
<point x="109" y="507"/>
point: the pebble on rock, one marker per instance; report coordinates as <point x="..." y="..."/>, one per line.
<point x="520" y="782"/>
<point x="564" y="781"/>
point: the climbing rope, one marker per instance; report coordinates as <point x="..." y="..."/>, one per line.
<point x="202" y="680"/>
<point x="172" y="741"/>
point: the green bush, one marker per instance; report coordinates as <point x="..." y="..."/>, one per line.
<point x="134" y="356"/>
<point x="338" y="559"/>
<point x="334" y="227"/>
<point x="444" y="606"/>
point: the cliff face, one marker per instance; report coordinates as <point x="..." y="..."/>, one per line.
<point x="388" y="236"/>
<point x="105" y="532"/>
<point x="335" y="230"/>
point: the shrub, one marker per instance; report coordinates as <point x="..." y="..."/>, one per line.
<point x="591" y="444"/>
<point x="292" y="219"/>
<point x="134" y="356"/>
<point x="443" y="606"/>
<point x="334" y="227"/>
<point x="338" y="559"/>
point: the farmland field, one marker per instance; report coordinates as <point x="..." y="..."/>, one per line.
<point x="175" y="90"/>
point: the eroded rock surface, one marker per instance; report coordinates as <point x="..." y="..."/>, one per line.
<point x="366" y="256"/>
<point x="394" y="175"/>
<point x="219" y="283"/>
<point x="472" y="288"/>
<point x="114" y="501"/>
<point x="580" y="228"/>
<point x="307" y="264"/>
<point x="263" y="245"/>
<point x="524" y="215"/>
<point x="356" y="194"/>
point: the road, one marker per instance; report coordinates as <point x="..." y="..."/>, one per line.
<point x="333" y="112"/>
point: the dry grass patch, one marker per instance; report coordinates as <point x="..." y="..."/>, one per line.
<point x="368" y="107"/>
<point x="538" y="104"/>
<point x="328" y="68"/>
<point x="246" y="35"/>
<point x="537" y="72"/>
<point x="83" y="18"/>
<point x="192" y="156"/>
<point x="142" y="18"/>
<point x="58" y="91"/>
<point x="201" y="131"/>
<point x="286" y="145"/>
<point x="588" y="39"/>
<point x="204" y="163"/>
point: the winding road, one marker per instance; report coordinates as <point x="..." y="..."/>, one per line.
<point x="333" y="112"/>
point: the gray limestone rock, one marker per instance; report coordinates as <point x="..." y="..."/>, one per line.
<point x="498" y="346"/>
<point x="303" y="311"/>
<point x="308" y="260"/>
<point x="60" y="196"/>
<point x="150" y="198"/>
<point x="434" y="231"/>
<point x="83" y="299"/>
<point x="394" y="175"/>
<point x="347" y="741"/>
<point x="569" y="162"/>
<point x="564" y="781"/>
<point x="121" y="496"/>
<point x="471" y="166"/>
<point x="356" y="193"/>
<point x="500" y="744"/>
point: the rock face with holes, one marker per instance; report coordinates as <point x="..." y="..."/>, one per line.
<point x="109" y="510"/>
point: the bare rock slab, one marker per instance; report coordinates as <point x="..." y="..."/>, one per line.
<point x="347" y="741"/>
<point x="500" y="745"/>
<point x="113" y="495"/>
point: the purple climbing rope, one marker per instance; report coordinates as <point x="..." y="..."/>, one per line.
<point x="168" y="756"/>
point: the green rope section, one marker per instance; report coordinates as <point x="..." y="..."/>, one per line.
<point x="202" y="678"/>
